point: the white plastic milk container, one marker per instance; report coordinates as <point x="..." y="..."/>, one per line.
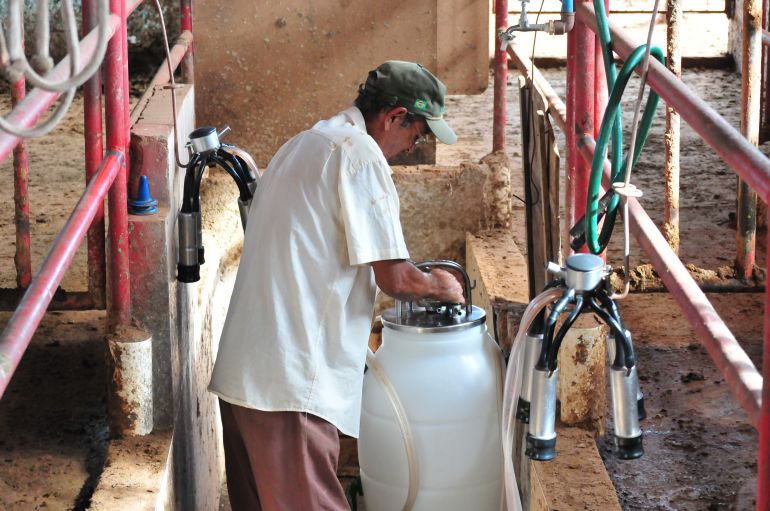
<point x="447" y="373"/>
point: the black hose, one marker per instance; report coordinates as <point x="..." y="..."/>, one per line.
<point x="245" y="192"/>
<point x="188" y="184"/>
<point x="554" y="350"/>
<point x="558" y="308"/>
<point x="623" y="343"/>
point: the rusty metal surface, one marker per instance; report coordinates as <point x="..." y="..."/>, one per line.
<point x="671" y="137"/>
<point x="117" y="138"/>
<point x="751" y="82"/>
<point x="94" y="152"/>
<point x="501" y="79"/>
<point x="22" y="257"/>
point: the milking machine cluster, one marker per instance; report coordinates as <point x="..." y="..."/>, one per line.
<point x="206" y="151"/>
<point x="585" y="288"/>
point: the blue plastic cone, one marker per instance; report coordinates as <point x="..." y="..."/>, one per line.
<point x="144" y="203"/>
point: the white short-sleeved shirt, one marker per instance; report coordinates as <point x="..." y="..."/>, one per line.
<point x="296" y="332"/>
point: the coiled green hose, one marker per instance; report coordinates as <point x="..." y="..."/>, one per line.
<point x="611" y="127"/>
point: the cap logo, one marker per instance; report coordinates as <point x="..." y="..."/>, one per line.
<point x="420" y="104"/>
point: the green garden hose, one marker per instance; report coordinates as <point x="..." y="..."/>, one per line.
<point x="611" y="125"/>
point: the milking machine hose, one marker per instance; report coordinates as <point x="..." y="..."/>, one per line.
<point x="403" y="424"/>
<point x="612" y="125"/>
<point x="512" y="389"/>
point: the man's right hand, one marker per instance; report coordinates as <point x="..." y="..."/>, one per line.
<point x="404" y="281"/>
<point x="449" y="286"/>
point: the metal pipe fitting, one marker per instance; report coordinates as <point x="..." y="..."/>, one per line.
<point x="562" y="26"/>
<point x="584" y="272"/>
<point x="204" y="140"/>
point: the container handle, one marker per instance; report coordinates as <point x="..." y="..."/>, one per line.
<point x="452" y="265"/>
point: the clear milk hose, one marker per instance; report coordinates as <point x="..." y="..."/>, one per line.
<point x="511" y="391"/>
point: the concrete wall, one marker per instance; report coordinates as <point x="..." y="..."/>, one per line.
<point x="271" y="69"/>
<point x="152" y="239"/>
<point x="202" y="309"/>
<point x="440" y="204"/>
<point x="185" y="319"/>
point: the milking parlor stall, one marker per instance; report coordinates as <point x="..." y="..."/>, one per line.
<point x="604" y="208"/>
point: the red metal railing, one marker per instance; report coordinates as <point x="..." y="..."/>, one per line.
<point x="94" y="152"/>
<point x="501" y="79"/>
<point x="105" y="175"/>
<point x="751" y="165"/>
<point x="111" y="175"/>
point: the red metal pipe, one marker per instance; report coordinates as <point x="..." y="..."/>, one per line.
<point x="115" y="92"/>
<point x="763" y="462"/>
<point x="745" y="159"/>
<point x="583" y="103"/>
<point x="94" y="153"/>
<point x="737" y="368"/>
<point x="569" y="132"/>
<point x="673" y="128"/>
<point x="751" y="83"/>
<point x="161" y="77"/>
<point x="740" y="374"/>
<point x="37" y="101"/>
<point x="178" y="53"/>
<point x="23" y="255"/>
<point x="126" y="99"/>
<point x="765" y="37"/>
<point x="21" y="327"/>
<point x="186" y="25"/>
<point x="501" y="79"/>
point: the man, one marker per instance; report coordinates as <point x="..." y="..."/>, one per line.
<point x="323" y="229"/>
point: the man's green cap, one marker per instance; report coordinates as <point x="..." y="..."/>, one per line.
<point x="415" y="88"/>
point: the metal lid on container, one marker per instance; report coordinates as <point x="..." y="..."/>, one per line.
<point x="432" y="317"/>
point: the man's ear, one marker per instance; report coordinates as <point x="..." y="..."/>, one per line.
<point x="393" y="115"/>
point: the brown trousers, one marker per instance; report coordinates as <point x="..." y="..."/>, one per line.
<point x="280" y="461"/>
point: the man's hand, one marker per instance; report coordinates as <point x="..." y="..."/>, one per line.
<point x="404" y="281"/>
<point x="449" y="286"/>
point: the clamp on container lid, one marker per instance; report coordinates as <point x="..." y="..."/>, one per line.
<point x="432" y="316"/>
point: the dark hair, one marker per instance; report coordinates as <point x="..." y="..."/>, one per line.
<point x="371" y="103"/>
